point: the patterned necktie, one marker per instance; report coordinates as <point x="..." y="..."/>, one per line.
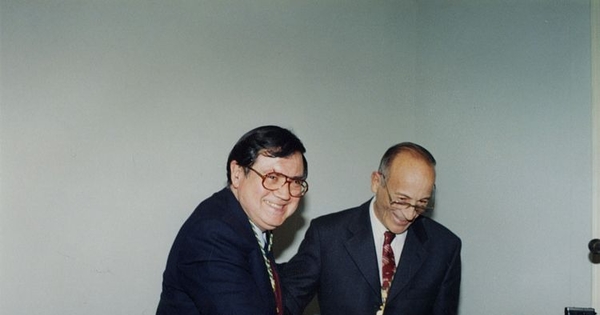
<point x="273" y="276"/>
<point x="270" y="264"/>
<point x="388" y="264"/>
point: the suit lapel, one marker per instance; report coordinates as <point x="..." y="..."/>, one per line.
<point x="361" y="247"/>
<point x="256" y="260"/>
<point x="413" y="256"/>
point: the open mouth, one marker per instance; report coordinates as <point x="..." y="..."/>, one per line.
<point x="399" y="219"/>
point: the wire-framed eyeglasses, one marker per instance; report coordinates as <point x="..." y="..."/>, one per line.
<point x="273" y="181"/>
<point x="403" y="205"/>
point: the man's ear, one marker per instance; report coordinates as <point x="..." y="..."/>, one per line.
<point x="375" y="181"/>
<point x="237" y="172"/>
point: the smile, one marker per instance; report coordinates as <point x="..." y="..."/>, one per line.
<point x="400" y="220"/>
<point x="276" y="206"/>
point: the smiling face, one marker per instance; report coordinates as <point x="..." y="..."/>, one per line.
<point x="410" y="179"/>
<point x="267" y="209"/>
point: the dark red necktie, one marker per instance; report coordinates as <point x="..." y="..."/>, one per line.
<point x="388" y="263"/>
<point x="278" y="298"/>
<point x="273" y="276"/>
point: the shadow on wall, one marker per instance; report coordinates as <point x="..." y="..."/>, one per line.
<point x="594" y="258"/>
<point x="312" y="308"/>
<point x="285" y="235"/>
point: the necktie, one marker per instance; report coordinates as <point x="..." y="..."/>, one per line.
<point x="388" y="265"/>
<point x="273" y="276"/>
<point x="270" y="264"/>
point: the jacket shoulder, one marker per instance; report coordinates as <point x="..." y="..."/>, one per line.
<point x="427" y="228"/>
<point x="342" y="216"/>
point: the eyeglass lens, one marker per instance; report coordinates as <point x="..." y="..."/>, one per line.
<point x="273" y="181"/>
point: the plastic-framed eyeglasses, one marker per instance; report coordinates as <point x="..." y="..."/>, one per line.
<point x="403" y="205"/>
<point x="273" y="181"/>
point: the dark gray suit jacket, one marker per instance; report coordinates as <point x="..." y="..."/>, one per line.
<point x="337" y="260"/>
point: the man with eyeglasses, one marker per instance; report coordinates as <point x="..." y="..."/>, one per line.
<point x="221" y="261"/>
<point x="384" y="256"/>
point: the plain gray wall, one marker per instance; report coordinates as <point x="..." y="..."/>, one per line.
<point x="116" y="118"/>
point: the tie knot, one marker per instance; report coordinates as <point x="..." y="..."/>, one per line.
<point x="388" y="237"/>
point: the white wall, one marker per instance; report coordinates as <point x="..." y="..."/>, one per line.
<point x="116" y="118"/>
<point x="512" y="83"/>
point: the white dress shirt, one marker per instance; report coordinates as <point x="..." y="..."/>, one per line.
<point x="378" y="230"/>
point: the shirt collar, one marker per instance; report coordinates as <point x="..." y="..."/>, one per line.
<point x="376" y="225"/>
<point x="262" y="235"/>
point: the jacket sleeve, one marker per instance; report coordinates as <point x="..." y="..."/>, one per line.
<point x="222" y="272"/>
<point x="448" y="298"/>
<point x="300" y="276"/>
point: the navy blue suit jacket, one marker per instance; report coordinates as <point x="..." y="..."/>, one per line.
<point x="215" y="265"/>
<point x="337" y="260"/>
